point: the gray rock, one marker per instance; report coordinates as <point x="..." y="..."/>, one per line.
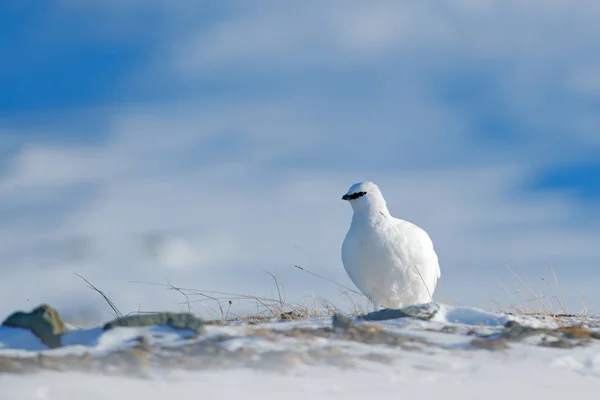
<point x="184" y="321"/>
<point x="515" y="331"/>
<point x="44" y="321"/>
<point x="341" y="321"/>
<point x="420" y="311"/>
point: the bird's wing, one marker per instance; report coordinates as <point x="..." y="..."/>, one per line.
<point x="420" y="249"/>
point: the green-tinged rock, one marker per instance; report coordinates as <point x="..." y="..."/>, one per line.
<point x="419" y="311"/>
<point x="515" y="331"/>
<point x="174" y="320"/>
<point x="44" y="322"/>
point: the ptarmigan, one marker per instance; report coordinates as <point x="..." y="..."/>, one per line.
<point x="391" y="261"/>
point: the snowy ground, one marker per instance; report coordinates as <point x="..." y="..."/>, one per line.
<point x="309" y="359"/>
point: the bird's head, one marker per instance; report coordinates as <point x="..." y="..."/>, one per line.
<point x="364" y="195"/>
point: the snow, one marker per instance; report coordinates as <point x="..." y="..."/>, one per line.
<point x="76" y="342"/>
<point x="489" y="381"/>
<point x="448" y="367"/>
<point x="469" y="316"/>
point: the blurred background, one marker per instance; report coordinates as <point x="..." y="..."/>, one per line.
<point x="203" y="144"/>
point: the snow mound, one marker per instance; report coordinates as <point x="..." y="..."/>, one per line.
<point x="469" y="316"/>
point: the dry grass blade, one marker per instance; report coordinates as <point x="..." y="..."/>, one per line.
<point x="561" y="301"/>
<point x="187" y="293"/>
<point x="117" y="313"/>
<point x="274" y="306"/>
<point x="346" y="288"/>
<point x="187" y="298"/>
<point x="544" y="302"/>
<point x="276" y="285"/>
<point x="267" y="307"/>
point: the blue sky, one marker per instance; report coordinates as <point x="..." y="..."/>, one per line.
<point x="203" y="144"/>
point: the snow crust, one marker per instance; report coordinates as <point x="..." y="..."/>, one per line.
<point x="449" y="368"/>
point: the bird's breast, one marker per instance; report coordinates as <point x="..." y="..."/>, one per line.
<point x="372" y="245"/>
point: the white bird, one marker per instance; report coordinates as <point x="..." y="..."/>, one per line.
<point x="390" y="260"/>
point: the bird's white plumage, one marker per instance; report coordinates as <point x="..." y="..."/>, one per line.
<point x="391" y="261"/>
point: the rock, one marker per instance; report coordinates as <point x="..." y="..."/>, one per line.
<point x="44" y="322"/>
<point x="174" y="320"/>
<point x="515" y="331"/>
<point x="451" y="330"/>
<point x="341" y="321"/>
<point x="420" y="311"/>
<point x="289" y="316"/>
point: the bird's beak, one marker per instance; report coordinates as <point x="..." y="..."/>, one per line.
<point x="345" y="197"/>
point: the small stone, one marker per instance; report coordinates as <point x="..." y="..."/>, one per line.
<point x="451" y="329"/>
<point x="510" y="324"/>
<point x="44" y="321"/>
<point x="341" y="321"/>
<point x="289" y="316"/>
<point x="515" y="331"/>
<point x="420" y="311"/>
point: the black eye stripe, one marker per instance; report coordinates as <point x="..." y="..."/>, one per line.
<point x="356" y="195"/>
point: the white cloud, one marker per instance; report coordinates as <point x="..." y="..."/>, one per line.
<point x="522" y="56"/>
<point x="43" y="166"/>
<point x="314" y="32"/>
<point x="171" y="252"/>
